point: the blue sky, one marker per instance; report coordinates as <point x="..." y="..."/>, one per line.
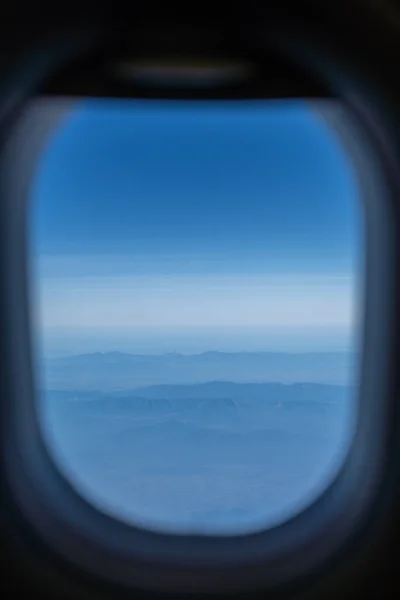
<point x="150" y="214"/>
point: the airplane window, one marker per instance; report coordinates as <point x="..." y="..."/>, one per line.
<point x="196" y="275"/>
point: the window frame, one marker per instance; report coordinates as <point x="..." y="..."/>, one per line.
<point x="118" y="553"/>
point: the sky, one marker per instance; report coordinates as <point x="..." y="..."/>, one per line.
<point x="181" y="217"/>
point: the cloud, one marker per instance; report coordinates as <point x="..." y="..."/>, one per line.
<point x="67" y="299"/>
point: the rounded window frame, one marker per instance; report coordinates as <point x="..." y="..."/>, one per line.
<point x="84" y="536"/>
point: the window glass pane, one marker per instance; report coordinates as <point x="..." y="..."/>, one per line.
<point x="196" y="303"/>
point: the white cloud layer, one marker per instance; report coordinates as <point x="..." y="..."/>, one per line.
<point x="68" y="298"/>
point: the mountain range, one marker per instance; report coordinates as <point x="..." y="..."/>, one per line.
<point x="218" y="456"/>
<point x="122" y="371"/>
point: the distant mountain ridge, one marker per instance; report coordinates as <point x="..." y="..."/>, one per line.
<point x="215" y="404"/>
<point x="121" y="371"/>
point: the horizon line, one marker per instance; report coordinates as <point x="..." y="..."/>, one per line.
<point x="190" y="354"/>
